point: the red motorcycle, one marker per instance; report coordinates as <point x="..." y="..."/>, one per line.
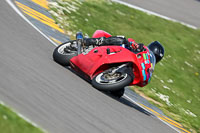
<point x="109" y="68"/>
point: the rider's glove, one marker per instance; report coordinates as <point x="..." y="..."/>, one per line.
<point x="137" y="47"/>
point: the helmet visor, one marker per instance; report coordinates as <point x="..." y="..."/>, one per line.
<point x="152" y="58"/>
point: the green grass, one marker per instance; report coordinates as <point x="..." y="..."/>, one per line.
<point x="10" y="122"/>
<point x="176" y="76"/>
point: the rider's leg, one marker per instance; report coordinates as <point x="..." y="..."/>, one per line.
<point x="105" y="41"/>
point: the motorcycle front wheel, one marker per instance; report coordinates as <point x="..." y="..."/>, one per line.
<point x="107" y="81"/>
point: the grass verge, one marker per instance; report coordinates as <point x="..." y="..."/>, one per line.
<point x="10" y="122"/>
<point x="176" y="80"/>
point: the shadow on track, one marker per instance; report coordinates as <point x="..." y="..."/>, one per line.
<point x="109" y="94"/>
<point x="128" y="103"/>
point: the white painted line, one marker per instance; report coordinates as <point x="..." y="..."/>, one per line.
<point x="20" y="14"/>
<point x="153" y="13"/>
<point x="23" y="117"/>
<point x="128" y="98"/>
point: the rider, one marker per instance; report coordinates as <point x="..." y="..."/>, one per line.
<point x="155" y="47"/>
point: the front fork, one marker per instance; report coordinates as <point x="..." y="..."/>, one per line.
<point x="124" y="68"/>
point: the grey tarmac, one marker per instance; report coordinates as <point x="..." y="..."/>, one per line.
<point x="186" y="11"/>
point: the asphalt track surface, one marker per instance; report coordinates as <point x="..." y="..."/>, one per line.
<point x="186" y="11"/>
<point x="52" y="96"/>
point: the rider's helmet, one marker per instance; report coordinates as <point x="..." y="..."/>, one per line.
<point x="157" y="49"/>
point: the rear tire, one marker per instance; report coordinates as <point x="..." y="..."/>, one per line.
<point x="62" y="57"/>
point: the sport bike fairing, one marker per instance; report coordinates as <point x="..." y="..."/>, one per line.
<point x="91" y="63"/>
<point x="98" y="56"/>
<point x="98" y="59"/>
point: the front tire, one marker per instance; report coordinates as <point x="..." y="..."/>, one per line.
<point x="62" y="57"/>
<point x="116" y="82"/>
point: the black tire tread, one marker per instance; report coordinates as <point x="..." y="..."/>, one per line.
<point x="112" y="87"/>
<point x="61" y="59"/>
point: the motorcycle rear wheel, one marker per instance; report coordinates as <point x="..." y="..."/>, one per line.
<point x="61" y="56"/>
<point x="117" y="81"/>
